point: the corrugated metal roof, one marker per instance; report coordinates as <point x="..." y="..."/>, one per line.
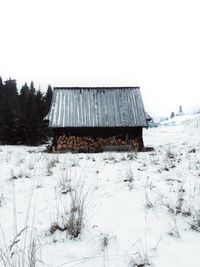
<point x="97" y="107"/>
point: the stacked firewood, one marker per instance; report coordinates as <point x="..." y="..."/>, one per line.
<point x="89" y="144"/>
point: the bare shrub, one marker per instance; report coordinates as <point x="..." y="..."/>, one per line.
<point x="51" y="164"/>
<point x="21" y="252"/>
<point x="74" y="217"/>
<point x="140" y="258"/>
<point x="74" y="162"/>
<point x="21" y="161"/>
<point x="110" y="157"/>
<point x="139" y="261"/>
<point x="24" y="249"/>
<point x="64" y="183"/>
<point x="1" y="199"/>
<point x="169" y="153"/>
<point x="31" y="166"/>
<point x="21" y="173"/>
<point x="32" y="257"/>
<point x="141" y="254"/>
<point x="123" y="158"/>
<point x="132" y="156"/>
<point x="195" y="225"/>
<point x="12" y="175"/>
<point x="174" y="231"/>
<point x="178" y="205"/>
<point x="104" y="241"/>
<point x="180" y="200"/>
<point x="148" y="203"/>
<point x="154" y="159"/>
<point x="129" y="178"/>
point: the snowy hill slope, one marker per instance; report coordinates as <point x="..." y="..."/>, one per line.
<point x="191" y="120"/>
<point x="137" y="209"/>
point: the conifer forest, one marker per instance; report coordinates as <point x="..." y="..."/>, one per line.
<point x="22" y="113"/>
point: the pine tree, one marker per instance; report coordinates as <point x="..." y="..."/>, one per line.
<point x="9" y="113"/>
<point x="34" y="130"/>
<point x="1" y="107"/>
<point x="1" y="94"/>
<point x="43" y="133"/>
<point x="180" y="110"/>
<point x="47" y="99"/>
<point x="172" y="115"/>
<point x="22" y="115"/>
<point x="1" y="86"/>
<point x="28" y="115"/>
<point x="32" y="88"/>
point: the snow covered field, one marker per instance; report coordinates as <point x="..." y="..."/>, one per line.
<point x="135" y="209"/>
<point x="189" y="120"/>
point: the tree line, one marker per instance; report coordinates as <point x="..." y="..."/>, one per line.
<point x="22" y="114"/>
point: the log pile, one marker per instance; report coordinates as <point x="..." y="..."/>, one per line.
<point x="88" y="144"/>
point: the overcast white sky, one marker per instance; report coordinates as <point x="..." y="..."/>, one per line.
<point x="154" y="44"/>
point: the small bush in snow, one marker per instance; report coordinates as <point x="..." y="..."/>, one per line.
<point x="1" y="199"/>
<point x="170" y="154"/>
<point x="178" y="205"/>
<point x="129" y="179"/>
<point x="73" y="219"/>
<point x="139" y="260"/>
<point x="21" y="173"/>
<point x="148" y="203"/>
<point x="12" y="175"/>
<point x="23" y="251"/>
<point x="174" y="231"/>
<point x="50" y="165"/>
<point x="110" y="157"/>
<point x="180" y="200"/>
<point x="123" y="158"/>
<point x="31" y="166"/>
<point x="132" y="156"/>
<point x="154" y="160"/>
<point x="195" y="225"/>
<point x="75" y="163"/>
<point x="64" y="183"/>
<point x="104" y="242"/>
<point x="140" y="257"/>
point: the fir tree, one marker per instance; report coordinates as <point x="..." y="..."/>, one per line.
<point x="47" y="99"/>
<point x="34" y="130"/>
<point x="22" y="115"/>
<point x="9" y="113"/>
<point x="172" y="115"/>
<point x="180" y="110"/>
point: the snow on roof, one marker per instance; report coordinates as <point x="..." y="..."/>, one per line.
<point x="97" y="107"/>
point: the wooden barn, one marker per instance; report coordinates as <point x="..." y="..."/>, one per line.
<point x="94" y="119"/>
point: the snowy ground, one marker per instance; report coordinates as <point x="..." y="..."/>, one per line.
<point x="189" y="120"/>
<point x="138" y="209"/>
